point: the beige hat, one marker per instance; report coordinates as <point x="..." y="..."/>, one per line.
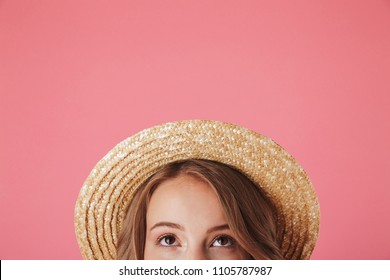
<point x="109" y="189"/>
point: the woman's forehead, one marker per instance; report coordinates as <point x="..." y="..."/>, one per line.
<point x="187" y="201"/>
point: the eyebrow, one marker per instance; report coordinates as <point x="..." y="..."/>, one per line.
<point x="221" y="227"/>
<point x="167" y="224"/>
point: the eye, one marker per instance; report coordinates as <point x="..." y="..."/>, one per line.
<point x="168" y="240"/>
<point x="223" y="241"/>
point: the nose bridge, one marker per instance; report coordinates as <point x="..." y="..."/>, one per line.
<point x="196" y="252"/>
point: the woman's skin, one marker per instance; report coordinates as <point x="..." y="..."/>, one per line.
<point x="185" y="221"/>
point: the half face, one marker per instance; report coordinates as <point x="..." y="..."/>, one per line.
<point x="186" y="221"/>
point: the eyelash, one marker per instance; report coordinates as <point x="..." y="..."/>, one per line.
<point x="158" y="242"/>
<point x="231" y="239"/>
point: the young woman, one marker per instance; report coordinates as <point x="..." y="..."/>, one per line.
<point x="198" y="209"/>
<point x="197" y="190"/>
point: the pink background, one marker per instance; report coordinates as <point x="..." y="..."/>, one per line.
<point x="77" y="77"/>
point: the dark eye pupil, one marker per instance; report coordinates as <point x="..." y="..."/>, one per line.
<point x="223" y="241"/>
<point x="169" y="240"/>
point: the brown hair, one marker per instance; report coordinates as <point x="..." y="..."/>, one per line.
<point x="251" y="215"/>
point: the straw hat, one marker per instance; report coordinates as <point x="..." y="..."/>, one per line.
<point x="109" y="189"/>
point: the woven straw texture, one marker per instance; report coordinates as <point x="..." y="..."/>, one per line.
<point x="108" y="191"/>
